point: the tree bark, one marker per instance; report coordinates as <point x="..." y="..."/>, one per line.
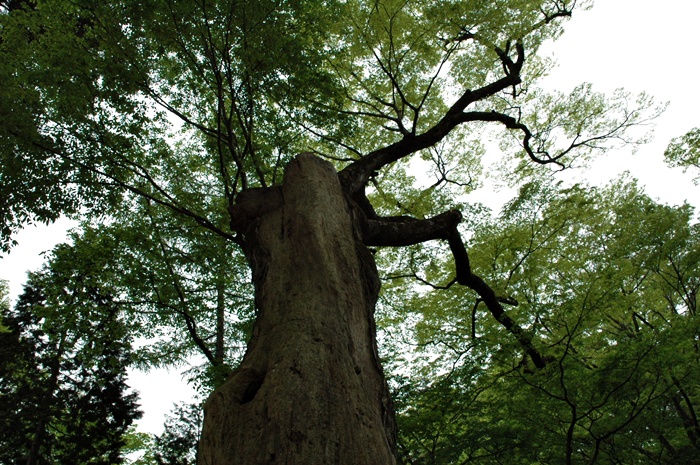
<point x="310" y="389"/>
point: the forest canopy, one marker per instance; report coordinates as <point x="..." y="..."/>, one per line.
<point x="562" y="329"/>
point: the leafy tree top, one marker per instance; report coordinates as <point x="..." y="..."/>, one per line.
<point x="187" y="104"/>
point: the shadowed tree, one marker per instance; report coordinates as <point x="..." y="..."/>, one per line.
<point x="63" y="376"/>
<point x="200" y="108"/>
<point x="178" y="443"/>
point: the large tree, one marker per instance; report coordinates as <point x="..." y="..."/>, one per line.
<point x="199" y="109"/>
<point x="64" y="397"/>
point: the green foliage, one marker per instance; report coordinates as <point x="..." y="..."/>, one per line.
<point x="62" y="375"/>
<point x="4" y="303"/>
<point x="146" y="120"/>
<point x="138" y="447"/>
<point x="684" y="151"/>
<point x="178" y="443"/>
<point x="188" y="103"/>
<point x="179" y="298"/>
<point x="606" y="281"/>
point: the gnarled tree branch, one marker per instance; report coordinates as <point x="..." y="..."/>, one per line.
<point x="401" y="231"/>
<point x="355" y="175"/>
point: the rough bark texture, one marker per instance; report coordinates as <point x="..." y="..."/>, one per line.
<point x="310" y="389"/>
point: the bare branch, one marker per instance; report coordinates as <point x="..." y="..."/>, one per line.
<point x="422" y="280"/>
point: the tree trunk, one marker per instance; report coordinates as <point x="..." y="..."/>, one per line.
<point x="310" y="389"/>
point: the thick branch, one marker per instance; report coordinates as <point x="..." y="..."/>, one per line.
<point x="466" y="277"/>
<point x="401" y="231"/>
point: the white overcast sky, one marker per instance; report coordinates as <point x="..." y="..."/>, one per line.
<point x="641" y="45"/>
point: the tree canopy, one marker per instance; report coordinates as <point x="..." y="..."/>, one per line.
<point x="606" y="279"/>
<point x="186" y="104"/>
<point x="562" y="329"/>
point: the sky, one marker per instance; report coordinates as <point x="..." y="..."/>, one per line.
<point x="641" y="45"/>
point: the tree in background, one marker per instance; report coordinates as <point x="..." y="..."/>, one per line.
<point x="4" y="302"/>
<point x="179" y="441"/>
<point x="63" y="375"/>
<point x="192" y="115"/>
<point x="607" y="280"/>
<point x="169" y="291"/>
<point x="684" y="151"/>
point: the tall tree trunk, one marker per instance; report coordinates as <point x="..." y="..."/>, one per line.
<point x="310" y="389"/>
